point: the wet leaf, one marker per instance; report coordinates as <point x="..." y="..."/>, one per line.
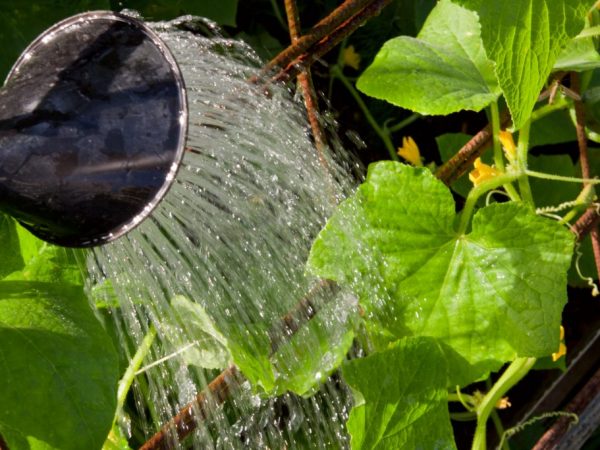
<point x="443" y="70"/>
<point x="404" y="398"/>
<point x="209" y="347"/>
<point x="490" y="295"/>
<point x="318" y="348"/>
<point x="524" y="39"/>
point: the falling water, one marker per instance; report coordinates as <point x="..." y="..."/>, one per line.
<point x="232" y="236"/>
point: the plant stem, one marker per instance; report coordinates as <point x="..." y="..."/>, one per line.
<point x="550" y="176"/>
<point x="135" y="363"/>
<point x="383" y="134"/>
<point x="404" y="123"/>
<point x="511" y="376"/>
<point x="522" y="151"/>
<point x="497" y="422"/>
<point x="498" y="156"/>
<point x="499" y="429"/>
<point x="478" y="191"/>
<point x="460" y="398"/>
<point x="549" y="108"/>
<point x="584" y="158"/>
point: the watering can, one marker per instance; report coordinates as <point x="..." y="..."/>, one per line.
<point x="93" y="120"/>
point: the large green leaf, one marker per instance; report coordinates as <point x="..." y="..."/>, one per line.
<point x="297" y="354"/>
<point x="327" y="337"/>
<point x="59" y="369"/>
<point x="443" y="70"/>
<point x="490" y="295"/>
<point x="404" y="398"/>
<point x="524" y="39"/>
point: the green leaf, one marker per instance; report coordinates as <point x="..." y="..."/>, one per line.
<point x="443" y="70"/>
<point x="579" y="55"/>
<point x="405" y="398"/>
<point x="278" y="359"/>
<point x="553" y="193"/>
<point x="11" y="259"/>
<point x="490" y="295"/>
<point x="59" y="368"/>
<point x="209" y="348"/>
<point x="554" y="128"/>
<point x="116" y="440"/>
<point x="328" y="335"/>
<point x="524" y="39"/>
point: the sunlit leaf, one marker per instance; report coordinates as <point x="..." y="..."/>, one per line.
<point x="404" y="398"/>
<point x="443" y="70"/>
<point x="59" y="368"/>
<point x="524" y="39"/>
<point x="579" y="55"/>
<point x="208" y="347"/>
<point x="490" y="295"/>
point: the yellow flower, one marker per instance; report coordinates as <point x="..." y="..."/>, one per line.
<point x="562" y="348"/>
<point x="508" y="144"/>
<point x="503" y="403"/>
<point x="562" y="351"/>
<point x="482" y="172"/>
<point x="410" y="151"/>
<point x="350" y="57"/>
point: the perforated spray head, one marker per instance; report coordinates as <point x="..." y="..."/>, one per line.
<point x="93" y="119"/>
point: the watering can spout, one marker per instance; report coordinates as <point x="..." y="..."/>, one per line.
<point x="93" y="119"/>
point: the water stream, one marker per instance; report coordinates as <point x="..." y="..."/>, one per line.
<point x="232" y="236"/>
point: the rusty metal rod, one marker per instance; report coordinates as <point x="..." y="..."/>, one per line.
<point x="316" y="33"/>
<point x="312" y="54"/>
<point x="552" y="437"/>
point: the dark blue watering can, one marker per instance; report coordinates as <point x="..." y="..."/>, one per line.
<point x="93" y="121"/>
